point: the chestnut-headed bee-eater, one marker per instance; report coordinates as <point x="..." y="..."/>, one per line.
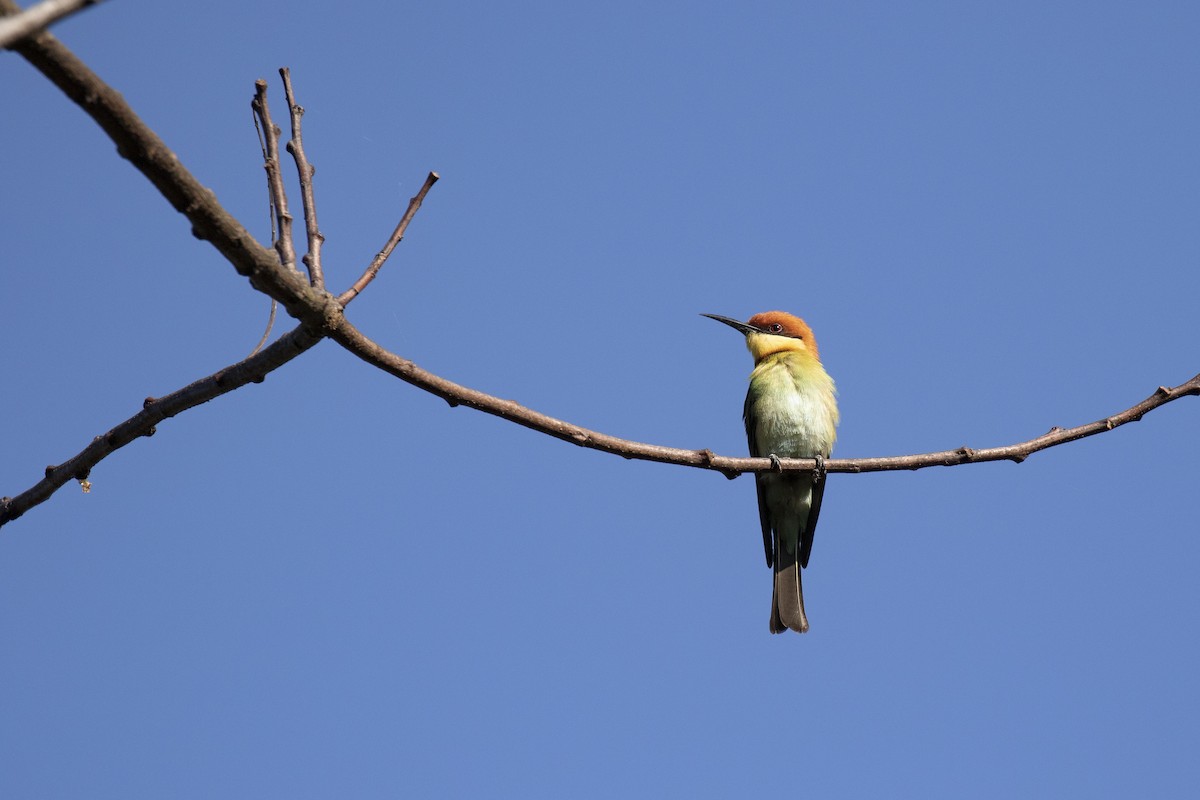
<point x="790" y="412"/>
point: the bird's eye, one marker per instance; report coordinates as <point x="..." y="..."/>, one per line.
<point x="775" y="327"/>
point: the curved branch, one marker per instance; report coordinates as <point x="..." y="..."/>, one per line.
<point x="455" y="394"/>
<point x="154" y="411"/>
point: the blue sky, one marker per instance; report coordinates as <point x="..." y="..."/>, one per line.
<point x="332" y="584"/>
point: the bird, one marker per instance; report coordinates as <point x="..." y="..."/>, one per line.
<point x="790" y="412"/>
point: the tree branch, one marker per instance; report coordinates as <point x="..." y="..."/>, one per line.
<point x="397" y="234"/>
<point x="321" y="315"/>
<point x="284" y="245"/>
<point x="312" y="258"/>
<point x="154" y="411"/>
<point x="357" y="343"/>
<point x="142" y="147"/>
<point x="20" y="23"/>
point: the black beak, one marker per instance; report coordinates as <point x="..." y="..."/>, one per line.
<point x="741" y="327"/>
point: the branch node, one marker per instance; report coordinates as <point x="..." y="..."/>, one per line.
<point x="149" y="401"/>
<point x="1162" y="391"/>
<point x="966" y="453"/>
<point x="50" y="470"/>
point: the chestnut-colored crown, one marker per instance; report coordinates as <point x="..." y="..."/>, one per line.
<point x="781" y="323"/>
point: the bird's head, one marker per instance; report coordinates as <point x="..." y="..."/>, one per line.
<point x="773" y="332"/>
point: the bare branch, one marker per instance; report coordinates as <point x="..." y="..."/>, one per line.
<point x="322" y="316"/>
<point x="353" y="340"/>
<point x="146" y="151"/>
<point x="312" y="258"/>
<point x="284" y="244"/>
<point x="398" y="234"/>
<point x="35" y="18"/>
<point x="154" y="411"/>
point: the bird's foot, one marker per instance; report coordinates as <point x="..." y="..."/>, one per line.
<point x="819" y="470"/>
<point x="775" y="462"/>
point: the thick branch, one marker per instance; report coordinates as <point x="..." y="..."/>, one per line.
<point x="154" y="411"/>
<point x="35" y="18"/>
<point x="142" y="147"/>
<point x="146" y="151"/>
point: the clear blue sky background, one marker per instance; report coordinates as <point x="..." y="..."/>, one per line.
<point x="334" y="585"/>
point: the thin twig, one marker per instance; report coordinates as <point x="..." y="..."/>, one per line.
<point x="283" y="244"/>
<point x="16" y="27"/>
<point x="398" y="234"/>
<point x="154" y="411"/>
<point x="270" y="324"/>
<point x="262" y="146"/>
<point x="312" y="259"/>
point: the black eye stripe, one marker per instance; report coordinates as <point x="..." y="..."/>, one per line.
<point x="777" y="328"/>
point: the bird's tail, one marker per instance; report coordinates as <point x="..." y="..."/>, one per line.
<point x="787" y="600"/>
